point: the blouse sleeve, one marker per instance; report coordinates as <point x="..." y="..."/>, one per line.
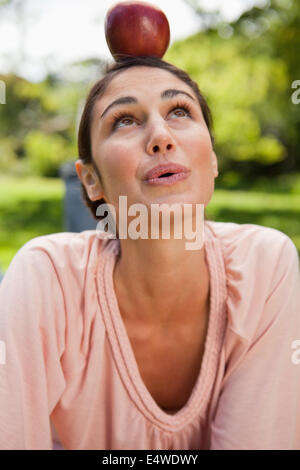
<point x="259" y="405"/>
<point x="32" y="325"/>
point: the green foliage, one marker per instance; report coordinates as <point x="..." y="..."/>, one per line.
<point x="7" y="154"/>
<point x="46" y="153"/>
<point x="29" y="207"/>
<point x="270" y="150"/>
<point x="246" y="76"/>
<point x="37" y="125"/>
<point x="241" y="92"/>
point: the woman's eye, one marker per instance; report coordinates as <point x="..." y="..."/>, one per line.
<point x="122" y="120"/>
<point x="125" y="119"/>
<point x="182" y="110"/>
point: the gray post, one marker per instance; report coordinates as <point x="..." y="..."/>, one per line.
<point x="77" y="216"/>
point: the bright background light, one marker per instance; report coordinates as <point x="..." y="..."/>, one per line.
<point x="42" y="36"/>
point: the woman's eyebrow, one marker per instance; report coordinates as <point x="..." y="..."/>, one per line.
<point x="170" y="93"/>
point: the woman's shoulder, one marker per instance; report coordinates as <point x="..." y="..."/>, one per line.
<point x="63" y="248"/>
<point x="65" y="256"/>
<point x="251" y="239"/>
<point x="256" y="261"/>
<point x="62" y="239"/>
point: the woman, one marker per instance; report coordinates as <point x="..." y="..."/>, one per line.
<point x="139" y="343"/>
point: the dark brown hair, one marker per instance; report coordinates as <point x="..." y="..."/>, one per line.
<point x="111" y="70"/>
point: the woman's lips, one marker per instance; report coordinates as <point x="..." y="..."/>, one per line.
<point x="167" y="180"/>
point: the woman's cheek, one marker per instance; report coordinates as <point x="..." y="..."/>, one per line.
<point x="119" y="163"/>
<point x="201" y="155"/>
<point x="198" y="142"/>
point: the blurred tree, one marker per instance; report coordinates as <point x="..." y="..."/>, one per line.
<point x="48" y="107"/>
<point x="274" y="31"/>
<point x="245" y="69"/>
<point x="43" y="117"/>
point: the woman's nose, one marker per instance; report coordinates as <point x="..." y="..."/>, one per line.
<point x="160" y="142"/>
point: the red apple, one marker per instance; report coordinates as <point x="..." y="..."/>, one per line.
<point x="136" y="29"/>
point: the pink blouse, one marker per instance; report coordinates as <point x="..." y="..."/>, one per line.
<point x="69" y="378"/>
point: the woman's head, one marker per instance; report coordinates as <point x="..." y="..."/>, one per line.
<point x="132" y="121"/>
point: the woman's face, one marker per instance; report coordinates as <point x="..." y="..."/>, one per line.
<point x="129" y="139"/>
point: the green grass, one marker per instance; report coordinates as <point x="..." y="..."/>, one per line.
<point x="30" y="207"/>
<point x="279" y="211"/>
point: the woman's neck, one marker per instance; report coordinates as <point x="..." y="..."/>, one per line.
<point x="161" y="281"/>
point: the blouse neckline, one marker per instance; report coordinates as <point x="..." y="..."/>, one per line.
<point x="122" y="350"/>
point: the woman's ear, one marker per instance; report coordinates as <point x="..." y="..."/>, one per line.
<point x="215" y="164"/>
<point x="89" y="179"/>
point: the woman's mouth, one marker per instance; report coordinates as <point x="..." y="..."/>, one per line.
<point x="167" y="179"/>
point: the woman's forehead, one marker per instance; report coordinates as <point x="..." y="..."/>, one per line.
<point x="141" y="83"/>
<point x="138" y="81"/>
